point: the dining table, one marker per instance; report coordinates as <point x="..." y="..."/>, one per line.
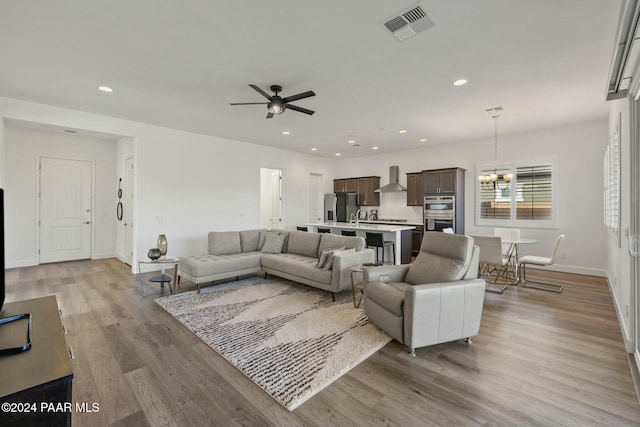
<point x="512" y="249"/>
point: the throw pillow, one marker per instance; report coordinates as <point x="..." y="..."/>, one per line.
<point x="263" y="237"/>
<point x="329" y="264"/>
<point x="325" y="255"/>
<point x="273" y="244"/>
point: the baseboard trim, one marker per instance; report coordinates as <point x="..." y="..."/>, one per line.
<point x="626" y="336"/>
<point x="587" y="271"/>
<point x="103" y="255"/>
<point x="21" y="263"/>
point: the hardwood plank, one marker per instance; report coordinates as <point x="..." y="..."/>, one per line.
<point x="540" y="359"/>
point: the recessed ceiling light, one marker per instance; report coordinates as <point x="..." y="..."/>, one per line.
<point x="105" y="89"/>
<point x="286" y="132"/>
<point x="423" y="139"/>
<point x="460" y="82"/>
<point x="374" y="148"/>
<point x="351" y="141"/>
<point x="338" y="154"/>
<point x="402" y="131"/>
<point x="314" y="149"/>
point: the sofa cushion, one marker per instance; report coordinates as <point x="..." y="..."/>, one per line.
<point x="333" y="241"/>
<point x="224" y="242"/>
<point x="303" y="243"/>
<point x="207" y="265"/>
<point x="273" y="244"/>
<point x="297" y="265"/>
<point x="249" y="240"/>
<point x="442" y="258"/>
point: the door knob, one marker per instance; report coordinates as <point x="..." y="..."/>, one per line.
<point x="87" y="222"/>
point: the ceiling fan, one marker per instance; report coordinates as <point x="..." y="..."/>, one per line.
<point x="278" y="105"/>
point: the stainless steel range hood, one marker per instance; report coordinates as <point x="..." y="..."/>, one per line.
<point x="393" y="185"/>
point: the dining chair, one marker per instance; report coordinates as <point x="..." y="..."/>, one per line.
<point x="509" y="249"/>
<point x="543" y="262"/>
<point x="302" y="228"/>
<point x="491" y="260"/>
<point x="348" y="233"/>
<point x="324" y="230"/>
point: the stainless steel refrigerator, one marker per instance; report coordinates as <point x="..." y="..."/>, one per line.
<point x="340" y="206"/>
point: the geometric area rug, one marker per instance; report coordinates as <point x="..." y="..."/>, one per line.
<point x="288" y="338"/>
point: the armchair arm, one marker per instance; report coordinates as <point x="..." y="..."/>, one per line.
<point x="341" y="273"/>
<point x="441" y="312"/>
<point x="396" y="273"/>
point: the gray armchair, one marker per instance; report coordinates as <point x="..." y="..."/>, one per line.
<point x="436" y="299"/>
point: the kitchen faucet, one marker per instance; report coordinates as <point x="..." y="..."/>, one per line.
<point x="358" y="217"/>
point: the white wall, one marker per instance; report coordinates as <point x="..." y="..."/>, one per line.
<point x="618" y="259"/>
<point x="579" y="149"/>
<point x="188" y="184"/>
<point x="24" y="147"/>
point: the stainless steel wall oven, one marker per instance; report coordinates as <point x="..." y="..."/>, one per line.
<point x="439" y="213"/>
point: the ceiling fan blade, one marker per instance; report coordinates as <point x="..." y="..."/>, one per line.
<point x="261" y="92"/>
<point x="269" y="115"/>
<point x="302" y="95"/>
<point x="299" y="109"/>
<point x="248" y="103"/>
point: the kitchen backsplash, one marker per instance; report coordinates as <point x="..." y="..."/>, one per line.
<point x="394" y="206"/>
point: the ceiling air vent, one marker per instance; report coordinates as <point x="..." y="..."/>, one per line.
<point x="408" y="23"/>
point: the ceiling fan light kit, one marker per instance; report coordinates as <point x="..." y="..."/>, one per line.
<point x="278" y="105"/>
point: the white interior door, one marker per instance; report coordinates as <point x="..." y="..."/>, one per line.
<point x="316" y="198"/>
<point x="65" y="209"/>
<point x="127" y="201"/>
<point x="275" y="181"/>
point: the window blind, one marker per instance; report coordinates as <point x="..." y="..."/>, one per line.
<point x="534" y="187"/>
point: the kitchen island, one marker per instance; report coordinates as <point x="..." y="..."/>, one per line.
<point x="400" y="234"/>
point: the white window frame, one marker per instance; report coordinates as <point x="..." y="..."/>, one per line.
<point x="513" y="222"/>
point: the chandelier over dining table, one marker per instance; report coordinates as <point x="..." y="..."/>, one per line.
<point x="494" y="179"/>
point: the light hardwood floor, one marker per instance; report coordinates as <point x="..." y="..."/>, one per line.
<point x="541" y="359"/>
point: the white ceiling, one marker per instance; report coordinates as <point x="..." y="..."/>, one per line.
<point x="179" y="63"/>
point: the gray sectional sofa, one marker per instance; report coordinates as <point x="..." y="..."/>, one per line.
<point x="292" y="255"/>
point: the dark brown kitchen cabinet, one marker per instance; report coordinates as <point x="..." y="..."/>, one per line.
<point x="415" y="189"/>
<point x="443" y="181"/>
<point x="366" y="191"/>
<point x="348" y="185"/>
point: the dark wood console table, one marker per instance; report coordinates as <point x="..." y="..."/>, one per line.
<point x="40" y="374"/>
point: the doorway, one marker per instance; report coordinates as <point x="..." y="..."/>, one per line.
<point x="316" y="198"/>
<point x="271" y="198"/>
<point x="66" y="201"/>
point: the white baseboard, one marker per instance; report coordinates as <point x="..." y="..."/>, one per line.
<point x="21" y="263"/>
<point x="573" y="269"/>
<point x="626" y="335"/>
<point x="103" y="255"/>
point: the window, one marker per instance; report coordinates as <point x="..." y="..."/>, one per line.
<point x="520" y="194"/>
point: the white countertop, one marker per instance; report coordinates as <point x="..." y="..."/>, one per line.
<point x="408" y="222"/>
<point x="362" y="226"/>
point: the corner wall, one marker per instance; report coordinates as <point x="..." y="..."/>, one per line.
<point x="579" y="149"/>
<point x="189" y="184"/>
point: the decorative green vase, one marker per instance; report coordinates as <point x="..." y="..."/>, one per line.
<point x="154" y="253"/>
<point x="162" y="244"/>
